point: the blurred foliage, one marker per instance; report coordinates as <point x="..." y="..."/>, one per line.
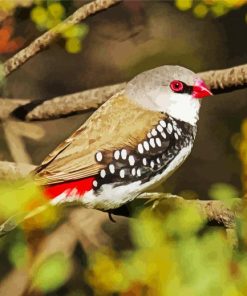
<point x="9" y="44"/>
<point x="177" y="254"/>
<point x="173" y="255"/>
<point x="8" y="7"/>
<point x="24" y="204"/>
<point x="46" y="14"/>
<point x="224" y="192"/>
<point x="202" y="8"/>
<point x="51" y="273"/>
<point x="26" y="199"/>
<point x="243" y="155"/>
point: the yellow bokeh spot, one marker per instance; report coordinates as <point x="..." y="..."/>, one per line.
<point x="28" y="206"/>
<point x="56" y="10"/>
<point x="51" y="22"/>
<point x="183" y="4"/>
<point x="39" y="15"/>
<point x="219" y="9"/>
<point x="51" y="273"/>
<point x="200" y="10"/>
<point x="73" y="45"/>
<point x="105" y="265"/>
<point x="79" y="30"/>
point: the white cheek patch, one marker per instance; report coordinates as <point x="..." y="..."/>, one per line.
<point x="180" y="106"/>
<point x="162" y="99"/>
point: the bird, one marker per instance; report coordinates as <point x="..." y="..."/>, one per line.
<point x="133" y="142"/>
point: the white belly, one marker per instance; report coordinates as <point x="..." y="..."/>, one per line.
<point x="113" y="197"/>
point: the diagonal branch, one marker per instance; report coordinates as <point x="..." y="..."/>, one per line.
<point x="47" y="38"/>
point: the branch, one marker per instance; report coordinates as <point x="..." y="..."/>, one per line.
<point x="64" y="105"/>
<point x="13" y="171"/>
<point x="212" y="210"/>
<point x="220" y="81"/>
<point x="14" y="132"/>
<point x="7" y="106"/>
<point x="47" y="38"/>
<point x="226" y="80"/>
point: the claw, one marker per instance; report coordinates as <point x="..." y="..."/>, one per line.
<point x="155" y="204"/>
<point x="110" y="217"/>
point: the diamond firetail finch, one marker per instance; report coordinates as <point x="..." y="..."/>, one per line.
<point x="134" y="141"/>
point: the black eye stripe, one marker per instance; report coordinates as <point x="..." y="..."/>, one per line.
<point x="187" y="89"/>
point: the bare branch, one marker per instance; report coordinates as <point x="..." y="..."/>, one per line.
<point x="15" y="144"/>
<point x="70" y="104"/>
<point x="226" y="80"/>
<point x="47" y="38"/>
<point x="14" y="131"/>
<point x="13" y="171"/>
<point x="15" y="282"/>
<point x="7" y="106"/>
<point x="212" y="210"/>
<point x="219" y="81"/>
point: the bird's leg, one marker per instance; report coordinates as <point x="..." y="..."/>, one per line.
<point x="155" y="203"/>
<point x="110" y="217"/>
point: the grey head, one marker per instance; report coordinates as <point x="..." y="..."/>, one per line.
<point x="168" y="89"/>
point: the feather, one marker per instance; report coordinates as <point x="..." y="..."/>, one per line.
<point x="119" y="123"/>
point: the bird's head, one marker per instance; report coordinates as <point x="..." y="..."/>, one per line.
<point x="170" y="89"/>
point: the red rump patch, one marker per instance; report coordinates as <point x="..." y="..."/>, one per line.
<point x="82" y="186"/>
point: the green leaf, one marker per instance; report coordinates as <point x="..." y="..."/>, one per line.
<point x="223" y="191"/>
<point x="52" y="273"/>
<point x="73" y="45"/>
<point x="18" y="254"/>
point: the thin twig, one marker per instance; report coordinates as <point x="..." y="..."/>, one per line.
<point x="47" y="38"/>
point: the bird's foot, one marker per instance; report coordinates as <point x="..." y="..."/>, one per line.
<point x="110" y="217"/>
<point x="156" y="197"/>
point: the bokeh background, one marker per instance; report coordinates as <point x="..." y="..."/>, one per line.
<point x="115" y="45"/>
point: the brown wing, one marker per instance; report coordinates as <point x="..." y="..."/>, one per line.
<point x="119" y="123"/>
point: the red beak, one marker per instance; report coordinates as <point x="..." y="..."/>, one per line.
<point x="200" y="90"/>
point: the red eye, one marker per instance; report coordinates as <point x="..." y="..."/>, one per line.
<point x="177" y="86"/>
